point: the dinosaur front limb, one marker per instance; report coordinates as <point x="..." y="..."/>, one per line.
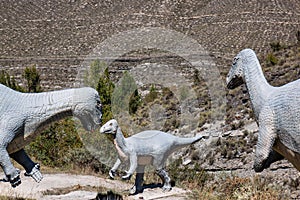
<point x="32" y="169"/>
<point x="133" y="166"/>
<point x="35" y="173"/>
<point x="112" y="171"/>
<point x="266" y="139"/>
<point x="12" y="174"/>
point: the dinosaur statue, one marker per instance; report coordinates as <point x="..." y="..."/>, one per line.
<point x="144" y="148"/>
<point x="25" y="115"/>
<point x="275" y="108"/>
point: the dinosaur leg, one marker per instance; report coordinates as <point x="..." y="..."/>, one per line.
<point x="32" y="169"/>
<point x="163" y="174"/>
<point x="12" y="174"/>
<point x="112" y="171"/>
<point x="264" y="155"/>
<point x="133" y="166"/>
<point x="139" y="179"/>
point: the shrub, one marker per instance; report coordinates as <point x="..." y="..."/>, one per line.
<point x="275" y="46"/>
<point x="123" y="94"/>
<point x="54" y="143"/>
<point x="10" y="82"/>
<point x="105" y="88"/>
<point x="33" y="79"/>
<point x="152" y="95"/>
<point x="271" y="59"/>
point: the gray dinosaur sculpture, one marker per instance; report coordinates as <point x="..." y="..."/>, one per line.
<point x="144" y="148"/>
<point x="24" y="115"/>
<point x="276" y="109"/>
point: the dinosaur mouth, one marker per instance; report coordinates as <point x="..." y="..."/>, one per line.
<point x="105" y="131"/>
<point x="234" y="82"/>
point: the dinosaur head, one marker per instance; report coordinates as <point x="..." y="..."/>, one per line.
<point x="235" y="76"/>
<point x="110" y="127"/>
<point x="88" y="108"/>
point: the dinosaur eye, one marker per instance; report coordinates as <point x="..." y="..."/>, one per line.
<point x="99" y="105"/>
<point x="235" y="60"/>
<point x="110" y="124"/>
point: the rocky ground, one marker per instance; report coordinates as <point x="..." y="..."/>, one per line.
<point x="78" y="187"/>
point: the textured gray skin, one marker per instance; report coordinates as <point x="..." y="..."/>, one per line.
<point x="276" y="110"/>
<point x="144" y="148"/>
<point x="25" y="115"/>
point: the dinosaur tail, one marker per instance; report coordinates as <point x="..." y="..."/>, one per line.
<point x="187" y="141"/>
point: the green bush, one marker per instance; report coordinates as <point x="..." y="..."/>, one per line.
<point x="33" y="79"/>
<point x="10" y="82"/>
<point x="105" y="88"/>
<point x="55" y="143"/>
<point x="275" y="46"/>
<point x="271" y="59"/>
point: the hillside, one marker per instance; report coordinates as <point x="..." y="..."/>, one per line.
<point x="58" y="35"/>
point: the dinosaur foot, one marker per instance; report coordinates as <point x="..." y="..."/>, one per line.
<point x="126" y="177"/>
<point x="15" y="179"/>
<point x="35" y="173"/>
<point x="135" y="190"/>
<point x="112" y="174"/>
<point x="166" y="188"/>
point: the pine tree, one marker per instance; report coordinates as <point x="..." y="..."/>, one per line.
<point x="105" y="88"/>
<point x="10" y="82"/>
<point x="33" y="79"/>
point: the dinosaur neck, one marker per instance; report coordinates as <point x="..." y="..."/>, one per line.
<point x="56" y="104"/>
<point x="257" y="85"/>
<point x="120" y="139"/>
<point x="41" y="110"/>
<point x="45" y="108"/>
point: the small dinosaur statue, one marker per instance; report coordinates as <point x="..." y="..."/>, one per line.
<point x="276" y="110"/>
<point x="144" y="148"/>
<point x="24" y="115"/>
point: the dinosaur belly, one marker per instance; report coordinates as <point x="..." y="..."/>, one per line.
<point x="145" y="160"/>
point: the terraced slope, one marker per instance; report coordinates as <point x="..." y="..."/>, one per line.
<point x="57" y="35"/>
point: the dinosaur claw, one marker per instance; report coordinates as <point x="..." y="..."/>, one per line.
<point x="132" y="191"/>
<point x="35" y="173"/>
<point x="15" y="180"/>
<point x="166" y="189"/>
<point x="126" y="177"/>
<point x="112" y="174"/>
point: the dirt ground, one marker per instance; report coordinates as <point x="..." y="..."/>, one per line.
<point x="73" y="187"/>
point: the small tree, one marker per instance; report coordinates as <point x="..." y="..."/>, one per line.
<point x="92" y="75"/>
<point x="123" y="96"/>
<point x="10" y="82"/>
<point x="33" y="79"/>
<point x="134" y="102"/>
<point x="105" y="88"/>
<point x="275" y="46"/>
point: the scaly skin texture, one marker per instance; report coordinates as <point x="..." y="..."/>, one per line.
<point x="144" y="148"/>
<point x="25" y="115"/>
<point x="276" y="110"/>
